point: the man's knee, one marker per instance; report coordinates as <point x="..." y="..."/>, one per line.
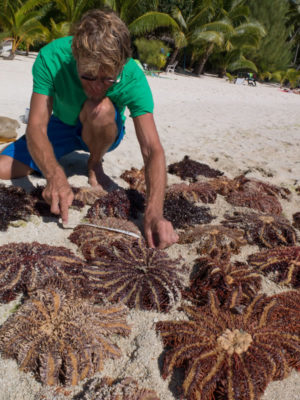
<point x="99" y="115"/>
<point x="11" y="168"/>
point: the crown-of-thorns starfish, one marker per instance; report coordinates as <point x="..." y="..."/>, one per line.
<point x="283" y="263"/>
<point x="235" y="285"/>
<point x="252" y="185"/>
<point x="25" y="266"/>
<point x="216" y="241"/>
<point x="119" y="203"/>
<point x="264" y="230"/>
<point x="140" y="277"/>
<point x="136" y="179"/>
<point x="194" y="192"/>
<point x="91" y="240"/>
<point x="61" y="337"/>
<point x="242" y="353"/>
<point x="256" y="200"/>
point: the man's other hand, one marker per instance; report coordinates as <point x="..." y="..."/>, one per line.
<point x="159" y="232"/>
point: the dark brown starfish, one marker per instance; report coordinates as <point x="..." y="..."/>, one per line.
<point x="25" y="266"/>
<point x="235" y="284"/>
<point x="264" y="230"/>
<point x="136" y="179"/>
<point x="60" y="337"/>
<point x="198" y="191"/>
<point x="216" y="241"/>
<point x="259" y="201"/>
<point x="241" y="353"/>
<point x="91" y="240"/>
<point x="140" y="277"/>
<point x="281" y="263"/>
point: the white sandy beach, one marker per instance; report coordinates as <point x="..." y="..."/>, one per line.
<point x="233" y="128"/>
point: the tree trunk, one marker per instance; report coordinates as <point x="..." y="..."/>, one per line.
<point x="173" y="56"/>
<point x="222" y="72"/>
<point x="198" y="69"/>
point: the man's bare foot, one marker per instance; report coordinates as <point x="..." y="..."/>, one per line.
<point x="97" y="178"/>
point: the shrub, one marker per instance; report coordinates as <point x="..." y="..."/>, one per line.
<point x="152" y="52"/>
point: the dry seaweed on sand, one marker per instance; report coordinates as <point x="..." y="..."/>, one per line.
<point x="25" y="266"/>
<point x="90" y="240"/>
<point x="190" y="169"/>
<point x="262" y="229"/>
<point x="194" y="192"/>
<point x="256" y="200"/>
<point x="216" y="241"/>
<point x="61" y="337"/>
<point x="281" y="264"/>
<point x="136" y="179"/>
<point x="116" y="389"/>
<point x="183" y="213"/>
<point x="242" y="353"/>
<point x="136" y="275"/>
<point x="119" y="203"/>
<point x="15" y="204"/>
<point x="235" y="284"/>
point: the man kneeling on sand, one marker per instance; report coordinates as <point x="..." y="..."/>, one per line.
<point x="81" y="86"/>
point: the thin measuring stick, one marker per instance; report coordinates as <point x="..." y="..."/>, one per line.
<point x="106" y="228"/>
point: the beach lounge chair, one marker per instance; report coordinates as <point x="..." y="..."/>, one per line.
<point x="6" y="47"/>
<point x="171" y="67"/>
<point x="239" y="81"/>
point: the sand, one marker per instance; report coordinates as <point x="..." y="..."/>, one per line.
<point x="234" y="128"/>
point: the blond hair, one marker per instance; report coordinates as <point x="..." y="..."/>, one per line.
<point x="101" y="41"/>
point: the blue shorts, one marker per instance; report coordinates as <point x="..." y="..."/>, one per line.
<point x="64" y="139"/>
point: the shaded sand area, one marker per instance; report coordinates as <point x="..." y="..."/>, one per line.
<point x="235" y="129"/>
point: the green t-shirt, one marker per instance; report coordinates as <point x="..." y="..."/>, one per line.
<point x="55" y="74"/>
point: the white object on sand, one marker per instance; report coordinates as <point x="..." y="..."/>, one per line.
<point x="106" y="228"/>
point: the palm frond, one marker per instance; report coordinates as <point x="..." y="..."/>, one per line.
<point x="177" y="15"/>
<point x="208" y="36"/>
<point x="242" y="64"/>
<point x="180" y="39"/>
<point x="202" y="17"/>
<point x="151" y="21"/>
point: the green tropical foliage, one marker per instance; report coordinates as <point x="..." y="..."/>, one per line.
<point x="226" y="36"/>
<point x="293" y="22"/>
<point x="274" y="52"/>
<point x="21" y="21"/>
<point x="152" y="52"/>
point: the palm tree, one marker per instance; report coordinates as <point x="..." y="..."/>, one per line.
<point x="294" y="22"/>
<point x="228" y="33"/>
<point x="21" y="21"/>
<point x="245" y="37"/>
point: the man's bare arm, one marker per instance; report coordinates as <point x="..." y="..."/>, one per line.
<point x="57" y="192"/>
<point x="158" y="231"/>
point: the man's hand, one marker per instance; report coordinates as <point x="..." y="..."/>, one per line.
<point x="59" y="195"/>
<point x="159" y="232"/>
